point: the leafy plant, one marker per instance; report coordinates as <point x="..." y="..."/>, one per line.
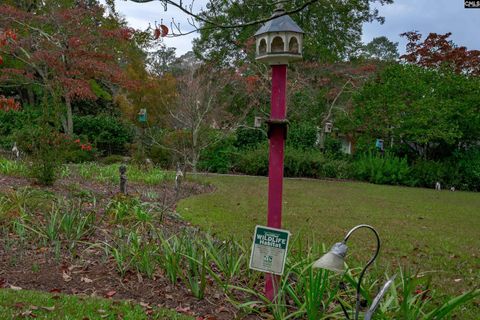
<point x="75" y="224"/>
<point x="171" y="257"/>
<point x="93" y="171"/>
<point x="126" y="209"/>
<point x="195" y="274"/>
<point x="386" y="169"/>
<point x="229" y="259"/>
<point x="121" y="256"/>
<point x="46" y="149"/>
<point x="12" y="168"/>
<point x="109" y="134"/>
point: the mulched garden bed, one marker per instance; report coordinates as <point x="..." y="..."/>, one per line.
<point x="89" y="273"/>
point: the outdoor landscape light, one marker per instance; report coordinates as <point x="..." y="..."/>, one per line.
<point x="334" y="260"/>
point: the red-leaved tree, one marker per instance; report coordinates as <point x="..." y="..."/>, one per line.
<point x="64" y="50"/>
<point x="438" y="51"/>
<point x="9" y="104"/>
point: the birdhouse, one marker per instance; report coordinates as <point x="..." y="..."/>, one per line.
<point x="280" y="40"/>
<point x="142" y="115"/>
<point x="257" y="123"/>
<point x="328" y="127"/>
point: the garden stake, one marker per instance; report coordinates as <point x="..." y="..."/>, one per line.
<point x="123" y="179"/>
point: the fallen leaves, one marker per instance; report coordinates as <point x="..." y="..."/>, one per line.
<point x="86" y="280"/>
<point x="29" y="313"/>
<point x="15" y="288"/>
<point x="66" y="277"/>
<point x="48" y="308"/>
<point x="182" y="309"/>
<point x="110" y="294"/>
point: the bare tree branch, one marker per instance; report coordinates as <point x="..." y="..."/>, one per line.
<point x="210" y="24"/>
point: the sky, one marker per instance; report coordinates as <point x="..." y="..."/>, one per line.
<point x="425" y="16"/>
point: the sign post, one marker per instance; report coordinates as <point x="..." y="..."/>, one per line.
<point x="279" y="42"/>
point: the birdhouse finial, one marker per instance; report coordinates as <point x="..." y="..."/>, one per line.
<point x="279" y="10"/>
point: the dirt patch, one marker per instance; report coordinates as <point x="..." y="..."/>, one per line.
<point x="36" y="269"/>
<point x="87" y="271"/>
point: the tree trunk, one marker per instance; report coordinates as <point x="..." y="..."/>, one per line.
<point x="31" y="97"/>
<point x="321" y="139"/>
<point x="195" y="151"/>
<point x="69" y="128"/>
<point x="194" y="163"/>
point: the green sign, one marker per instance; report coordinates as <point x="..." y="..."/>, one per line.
<point x="269" y="250"/>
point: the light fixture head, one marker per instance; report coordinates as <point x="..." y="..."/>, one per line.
<point x="333" y="260"/>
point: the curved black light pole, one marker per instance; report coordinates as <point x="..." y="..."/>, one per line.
<point x="357" y="306"/>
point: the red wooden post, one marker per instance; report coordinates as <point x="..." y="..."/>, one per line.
<point x="277" y="134"/>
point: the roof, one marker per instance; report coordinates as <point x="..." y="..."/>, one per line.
<point x="280" y="24"/>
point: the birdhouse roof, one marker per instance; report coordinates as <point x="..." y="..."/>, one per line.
<point x="281" y="24"/>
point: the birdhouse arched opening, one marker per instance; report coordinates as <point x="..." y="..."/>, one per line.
<point x="262" y="48"/>
<point x="278" y="45"/>
<point x="293" y="45"/>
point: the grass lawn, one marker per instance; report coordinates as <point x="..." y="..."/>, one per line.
<point x="436" y="233"/>
<point x="31" y="304"/>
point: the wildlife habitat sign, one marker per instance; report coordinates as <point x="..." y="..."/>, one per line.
<point x="269" y="250"/>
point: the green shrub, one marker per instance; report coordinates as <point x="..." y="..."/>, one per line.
<point x="76" y="151"/>
<point x="247" y="138"/>
<point x="218" y="157"/>
<point x="301" y="163"/>
<point x="386" y="169"/>
<point x="161" y="156"/>
<point x="13" y="121"/>
<point x="333" y="146"/>
<point x="45" y="147"/>
<point x="461" y="171"/>
<point x="426" y="173"/>
<point x="315" y="164"/>
<point x="297" y="162"/>
<point x="468" y="164"/>
<point x="112" y="159"/>
<point x="109" y="134"/>
<point x="302" y="135"/>
<point x="253" y="161"/>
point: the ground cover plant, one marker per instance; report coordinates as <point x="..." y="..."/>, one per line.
<point x="109" y="173"/>
<point x="80" y="237"/>
<point x="17" y="304"/>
